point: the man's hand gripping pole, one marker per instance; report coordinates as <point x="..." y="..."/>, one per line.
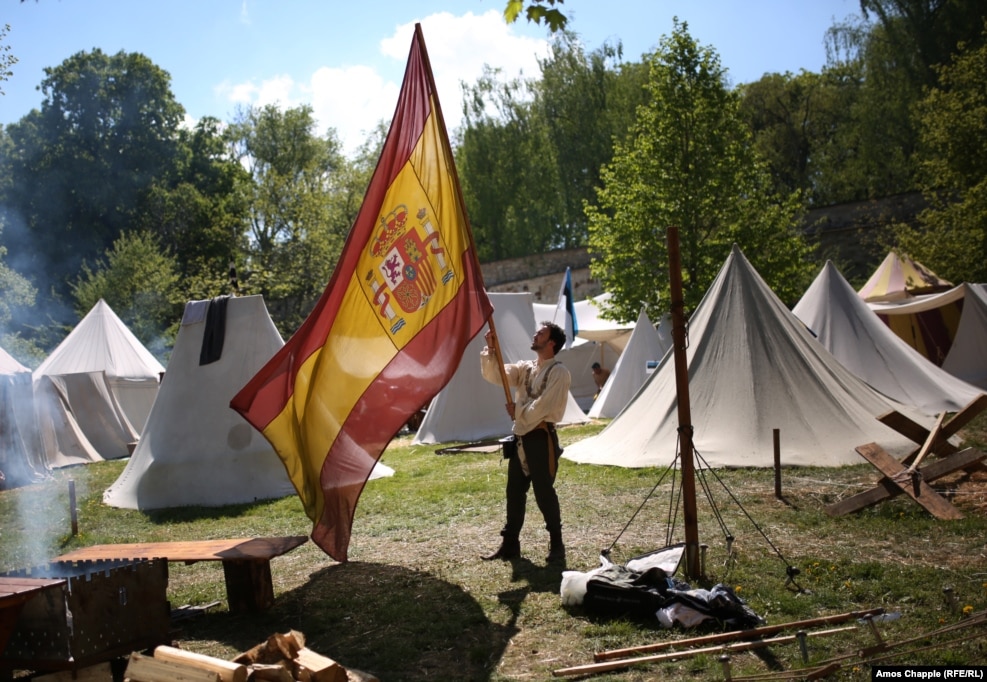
<point x="494" y="345"/>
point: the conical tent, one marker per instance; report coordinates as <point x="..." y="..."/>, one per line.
<point x="855" y="336"/>
<point x="967" y="358"/>
<point x="631" y="371"/>
<point x="470" y="408"/>
<point x="753" y="367"/>
<point x="594" y="327"/>
<point x="21" y="459"/>
<point x="927" y="323"/>
<point x="101" y="342"/>
<point x="581" y="355"/>
<point x="195" y="449"/>
<point x="899" y="277"/>
<point x="79" y="420"/>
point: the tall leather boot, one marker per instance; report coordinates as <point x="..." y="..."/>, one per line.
<point x="556" y="549"/>
<point x="510" y="548"/>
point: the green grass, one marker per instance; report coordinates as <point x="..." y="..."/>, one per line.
<point x="416" y="603"/>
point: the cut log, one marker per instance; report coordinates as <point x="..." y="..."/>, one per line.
<point x="313" y="667"/>
<point x="276" y="672"/>
<point x="228" y="671"/>
<point x="141" y="668"/>
<point x="275" y="649"/>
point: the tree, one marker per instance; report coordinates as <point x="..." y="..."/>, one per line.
<point x="507" y="170"/>
<point x="530" y="151"/>
<point x="138" y="280"/>
<point x="294" y="237"/>
<point x="7" y="60"/>
<point x="690" y="163"/>
<point x="199" y="212"/>
<point x="80" y="166"/>
<point x="952" y="239"/>
<point x="538" y="11"/>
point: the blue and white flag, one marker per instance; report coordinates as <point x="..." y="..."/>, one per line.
<point x="565" y="312"/>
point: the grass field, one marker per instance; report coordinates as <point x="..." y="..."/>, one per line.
<point x="415" y="602"/>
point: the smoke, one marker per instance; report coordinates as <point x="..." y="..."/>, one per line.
<point x="49" y="315"/>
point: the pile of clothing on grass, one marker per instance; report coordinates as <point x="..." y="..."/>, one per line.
<point x="645" y="587"/>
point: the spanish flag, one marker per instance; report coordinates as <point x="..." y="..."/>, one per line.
<point x="390" y="329"/>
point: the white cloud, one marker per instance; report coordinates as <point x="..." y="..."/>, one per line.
<point x="352" y="99"/>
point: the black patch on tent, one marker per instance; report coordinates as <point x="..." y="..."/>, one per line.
<point x="215" y="331"/>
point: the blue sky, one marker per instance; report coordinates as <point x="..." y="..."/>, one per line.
<point x="346" y="59"/>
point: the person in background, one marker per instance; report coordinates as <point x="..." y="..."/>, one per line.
<point x="600" y="376"/>
<point x="541" y="392"/>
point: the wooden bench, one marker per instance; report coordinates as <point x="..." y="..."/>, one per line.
<point x="246" y="562"/>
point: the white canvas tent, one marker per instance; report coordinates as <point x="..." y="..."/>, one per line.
<point x="856" y="337"/>
<point x="967" y="357"/>
<point x="101" y="342"/>
<point x="79" y="419"/>
<point x="593" y="327"/>
<point x="645" y="345"/>
<point x="195" y="449"/>
<point x="579" y="357"/>
<point x="753" y="367"/>
<point x="21" y="459"/>
<point x="470" y="408"/>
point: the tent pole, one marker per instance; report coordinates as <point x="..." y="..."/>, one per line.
<point x="689" y="515"/>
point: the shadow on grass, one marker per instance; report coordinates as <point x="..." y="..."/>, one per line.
<point x="393" y="622"/>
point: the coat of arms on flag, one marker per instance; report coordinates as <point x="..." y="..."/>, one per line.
<point x="410" y="265"/>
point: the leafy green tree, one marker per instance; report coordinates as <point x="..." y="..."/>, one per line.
<point x="138" y="280"/>
<point x="295" y="237"/>
<point x="539" y="11"/>
<point x="530" y="151"/>
<point x="690" y="163"/>
<point x="199" y="213"/>
<point x="16" y="293"/>
<point x="507" y="171"/>
<point x="953" y="237"/>
<point x="80" y="166"/>
<point x="7" y="59"/>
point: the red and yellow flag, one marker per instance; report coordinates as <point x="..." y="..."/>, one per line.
<point x="389" y="330"/>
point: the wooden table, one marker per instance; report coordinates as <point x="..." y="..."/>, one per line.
<point x="246" y="562"/>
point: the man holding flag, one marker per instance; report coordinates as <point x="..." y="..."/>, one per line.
<point x="390" y="328"/>
<point x="541" y="389"/>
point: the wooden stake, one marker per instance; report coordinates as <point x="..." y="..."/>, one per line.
<point x="736" y="646"/>
<point x="73" y="512"/>
<point x="751" y="633"/>
<point x="776" y="435"/>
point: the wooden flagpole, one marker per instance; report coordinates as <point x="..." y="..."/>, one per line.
<point x="690" y="518"/>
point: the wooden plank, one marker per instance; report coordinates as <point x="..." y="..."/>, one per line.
<point x="918" y="433"/>
<point x="18" y="589"/>
<point x="886" y="489"/>
<point x="749" y="633"/>
<point x="621" y="664"/>
<point x="928" y="498"/>
<point x="190" y="551"/>
<point x="141" y="668"/>
<point x="227" y="670"/>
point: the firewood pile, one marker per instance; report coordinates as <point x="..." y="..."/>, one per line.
<point x="282" y="658"/>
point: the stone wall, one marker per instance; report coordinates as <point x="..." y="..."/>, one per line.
<point x="852" y="235"/>
<point x="542" y="274"/>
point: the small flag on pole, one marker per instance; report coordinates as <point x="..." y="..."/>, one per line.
<point x="565" y="312"/>
<point x="390" y="328"/>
